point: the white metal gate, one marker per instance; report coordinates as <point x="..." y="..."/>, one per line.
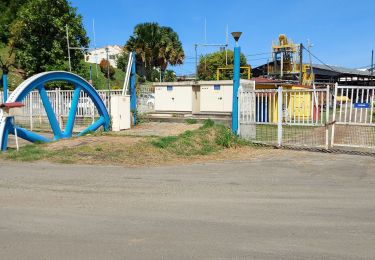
<point x="354" y="116"/>
<point x="289" y="117"/>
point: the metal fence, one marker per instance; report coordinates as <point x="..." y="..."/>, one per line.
<point x="146" y="98"/>
<point x="296" y="117"/>
<point x="354" y="116"/>
<point x="34" y="117"/>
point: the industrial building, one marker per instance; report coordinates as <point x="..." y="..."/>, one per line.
<point x="287" y="64"/>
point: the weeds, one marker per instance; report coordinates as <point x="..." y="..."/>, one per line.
<point x="32" y="152"/>
<point x="208" y="123"/>
<point x="191" y="121"/>
<point x="164" y="142"/>
<point x="207" y="139"/>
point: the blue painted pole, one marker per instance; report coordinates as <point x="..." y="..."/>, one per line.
<point x="236" y="86"/>
<point x="98" y="123"/>
<point x="133" y="94"/>
<point x="5" y="85"/>
<point x="28" y="135"/>
<point x="50" y="113"/>
<point x="72" y="113"/>
<point x="4" y="142"/>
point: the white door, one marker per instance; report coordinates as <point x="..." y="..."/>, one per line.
<point x="164" y="98"/>
<point x="212" y="98"/>
<point x="183" y="98"/>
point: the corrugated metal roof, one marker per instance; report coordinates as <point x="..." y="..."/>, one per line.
<point x="341" y="70"/>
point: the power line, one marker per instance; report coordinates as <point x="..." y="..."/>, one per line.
<point x="258" y="54"/>
<point x="320" y="60"/>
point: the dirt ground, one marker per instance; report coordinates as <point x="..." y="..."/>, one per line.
<point x="132" y="148"/>
<point x="144" y="129"/>
<point x="159" y="129"/>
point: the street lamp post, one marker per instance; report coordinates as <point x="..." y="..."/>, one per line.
<point x="108" y="83"/>
<point x="236" y="81"/>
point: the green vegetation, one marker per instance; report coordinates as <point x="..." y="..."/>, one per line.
<point x="15" y="76"/>
<point x="99" y="80"/>
<point x="191" y="121"/>
<point x="156" y="47"/>
<point x="208" y="65"/>
<point x="207" y="139"/>
<point x="32" y="152"/>
<point x="38" y="36"/>
<point x="170" y="76"/>
<point x="8" y="11"/>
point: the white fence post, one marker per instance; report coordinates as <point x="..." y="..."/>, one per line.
<point x="334" y="115"/>
<point x="327" y="117"/>
<point x="31" y="111"/>
<point x="279" y="116"/>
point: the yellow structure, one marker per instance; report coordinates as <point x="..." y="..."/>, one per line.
<point x="295" y="104"/>
<point x="286" y="61"/>
<point x="246" y="68"/>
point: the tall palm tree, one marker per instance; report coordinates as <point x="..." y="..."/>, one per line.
<point x="155" y="46"/>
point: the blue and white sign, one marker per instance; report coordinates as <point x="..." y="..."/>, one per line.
<point x="361" y="105"/>
<point x="216" y="87"/>
<point x="169" y="88"/>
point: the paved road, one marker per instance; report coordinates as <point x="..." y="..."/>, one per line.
<point x="297" y="205"/>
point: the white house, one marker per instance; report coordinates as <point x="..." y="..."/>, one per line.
<point x="97" y="55"/>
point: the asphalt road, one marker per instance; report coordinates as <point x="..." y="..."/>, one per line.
<point x="296" y="205"/>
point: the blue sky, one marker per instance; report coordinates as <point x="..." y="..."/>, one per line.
<point x="342" y="32"/>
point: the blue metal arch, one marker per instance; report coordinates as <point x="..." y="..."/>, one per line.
<point x="37" y="82"/>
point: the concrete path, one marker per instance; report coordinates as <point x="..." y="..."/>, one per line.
<point x="298" y="206"/>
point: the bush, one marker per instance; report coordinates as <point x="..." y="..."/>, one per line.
<point x="104" y="64"/>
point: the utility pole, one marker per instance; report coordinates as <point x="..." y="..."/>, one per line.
<point x="96" y="55"/>
<point x="372" y="66"/>
<point x="108" y="83"/>
<point x="67" y="40"/>
<point x="205" y="44"/>
<point x="309" y="45"/>
<point x="300" y="63"/>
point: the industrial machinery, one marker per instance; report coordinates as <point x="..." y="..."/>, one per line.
<point x="287" y="64"/>
<point x="38" y="82"/>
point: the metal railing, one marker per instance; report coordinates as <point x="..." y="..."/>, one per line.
<point x="280" y="116"/>
<point x="354" y="116"/>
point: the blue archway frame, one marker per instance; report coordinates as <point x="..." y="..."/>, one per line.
<point x="37" y="82"/>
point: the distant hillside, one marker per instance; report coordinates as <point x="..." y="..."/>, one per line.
<point x="100" y="82"/>
<point x="15" y="76"/>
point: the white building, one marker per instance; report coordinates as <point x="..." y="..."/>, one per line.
<point x="97" y="55"/>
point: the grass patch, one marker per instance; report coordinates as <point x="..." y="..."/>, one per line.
<point x="209" y="138"/>
<point x="164" y="142"/>
<point x="32" y="152"/>
<point x="191" y="121"/>
<point x="104" y="148"/>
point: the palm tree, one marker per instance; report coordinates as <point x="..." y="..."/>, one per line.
<point x="156" y="47"/>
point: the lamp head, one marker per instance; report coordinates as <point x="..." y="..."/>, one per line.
<point x="236" y="35"/>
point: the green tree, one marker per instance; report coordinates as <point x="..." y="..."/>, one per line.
<point x="8" y="11"/>
<point x="208" y="65"/>
<point x="122" y="61"/>
<point x="170" y="76"/>
<point x="38" y="36"/>
<point x="156" y="47"/>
